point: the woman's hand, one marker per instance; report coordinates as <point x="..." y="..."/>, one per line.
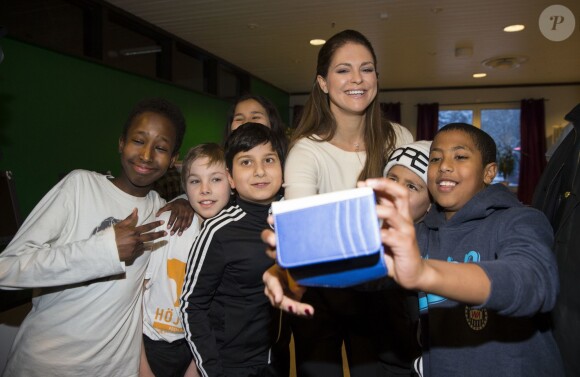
<point x="282" y="291"/>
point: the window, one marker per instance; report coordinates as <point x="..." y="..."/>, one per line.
<point x="99" y="31"/>
<point x="455" y="116"/>
<point x="57" y="24"/>
<point x="187" y="68"/>
<point x="502" y="123"/>
<point x="228" y="83"/>
<point x="128" y="49"/>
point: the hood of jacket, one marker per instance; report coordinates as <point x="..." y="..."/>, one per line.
<point x="483" y="204"/>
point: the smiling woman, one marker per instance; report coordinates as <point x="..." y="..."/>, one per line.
<point x="342" y="138"/>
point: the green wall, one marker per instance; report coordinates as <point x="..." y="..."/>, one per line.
<point x="59" y="113"/>
<point x="278" y="97"/>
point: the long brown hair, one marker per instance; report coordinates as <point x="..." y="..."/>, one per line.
<point x="317" y="119"/>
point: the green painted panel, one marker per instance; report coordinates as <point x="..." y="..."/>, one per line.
<point x="59" y="113"/>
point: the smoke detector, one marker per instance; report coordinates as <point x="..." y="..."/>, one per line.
<point x="505" y="62"/>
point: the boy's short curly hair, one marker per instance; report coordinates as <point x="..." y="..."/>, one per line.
<point x="248" y="136"/>
<point x="484" y="143"/>
<point x="162" y="107"/>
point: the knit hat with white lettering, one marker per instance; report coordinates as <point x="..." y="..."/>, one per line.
<point x="414" y="156"/>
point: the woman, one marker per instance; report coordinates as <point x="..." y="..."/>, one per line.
<point x="340" y="139"/>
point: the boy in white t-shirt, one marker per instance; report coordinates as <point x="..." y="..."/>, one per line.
<point x="165" y="351"/>
<point x="86" y="243"/>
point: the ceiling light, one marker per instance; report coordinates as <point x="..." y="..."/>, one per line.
<point x="479" y="75"/>
<point x="504" y="62"/>
<point x="513" y="28"/>
<point x="140" y="50"/>
<point x="317" y="42"/>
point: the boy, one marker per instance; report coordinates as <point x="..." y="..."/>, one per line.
<point x="487" y="270"/>
<point x="94" y="328"/>
<point x="204" y="179"/>
<point x="227" y="318"/>
<point x="407" y="165"/>
<point x="396" y="309"/>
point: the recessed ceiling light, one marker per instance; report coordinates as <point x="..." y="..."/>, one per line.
<point x="479" y="75"/>
<point x="317" y="42"/>
<point x="513" y="28"/>
<point x="505" y="62"/>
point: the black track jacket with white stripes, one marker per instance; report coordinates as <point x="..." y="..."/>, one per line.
<point x="226" y="316"/>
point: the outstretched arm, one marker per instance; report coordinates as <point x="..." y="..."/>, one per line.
<point x="464" y="282"/>
<point x="48" y="249"/>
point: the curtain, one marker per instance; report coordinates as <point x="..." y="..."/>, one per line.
<point x="533" y="147"/>
<point x="391" y="111"/>
<point x="427" y="121"/>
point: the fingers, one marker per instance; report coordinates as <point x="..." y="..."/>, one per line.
<point x="273" y="287"/>
<point x="391" y="191"/>
<point x="275" y="293"/>
<point x="269" y="238"/>
<point x="171" y="222"/>
<point x="275" y="280"/>
<point x="130" y="220"/>
<point x="152" y="236"/>
<point x="165" y="208"/>
<point x="143" y="228"/>
<point x="296" y="307"/>
<point x="390" y="195"/>
<point x="181" y="215"/>
<point x="181" y="224"/>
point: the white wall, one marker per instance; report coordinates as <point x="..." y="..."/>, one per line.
<point x="560" y="100"/>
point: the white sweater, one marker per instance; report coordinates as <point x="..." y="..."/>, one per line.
<point x="318" y="167"/>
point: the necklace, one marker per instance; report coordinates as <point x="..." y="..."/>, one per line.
<point x="357" y="150"/>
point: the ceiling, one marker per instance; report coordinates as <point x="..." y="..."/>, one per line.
<point x="415" y="40"/>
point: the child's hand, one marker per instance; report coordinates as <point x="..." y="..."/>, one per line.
<point x="131" y="239"/>
<point x="398" y="232"/>
<point x="181" y="215"/>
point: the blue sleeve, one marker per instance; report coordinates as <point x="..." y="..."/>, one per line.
<point x="203" y="275"/>
<point x="525" y="264"/>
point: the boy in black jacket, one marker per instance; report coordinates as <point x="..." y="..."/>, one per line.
<point x="227" y="319"/>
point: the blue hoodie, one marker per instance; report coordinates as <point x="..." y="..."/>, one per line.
<point x="510" y="334"/>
